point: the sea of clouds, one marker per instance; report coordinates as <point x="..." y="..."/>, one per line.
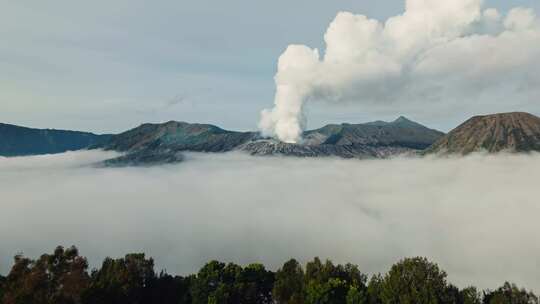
<point x="476" y="216"/>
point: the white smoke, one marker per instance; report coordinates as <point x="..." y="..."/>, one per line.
<point x="450" y="50"/>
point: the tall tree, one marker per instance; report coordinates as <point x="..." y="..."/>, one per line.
<point x="415" y="281"/>
<point x="56" y="278"/>
<point x="255" y="285"/>
<point x="329" y="283"/>
<point x="510" y="294"/>
<point x="22" y="284"/>
<point x="375" y="289"/>
<point x="68" y="274"/>
<point x="123" y="280"/>
<point x="356" y="296"/>
<point x="289" y="286"/>
<point x="220" y="283"/>
<point x="470" y="295"/>
<point x="207" y="282"/>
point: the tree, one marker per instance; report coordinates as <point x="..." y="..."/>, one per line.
<point x="255" y="285"/>
<point x="62" y="278"/>
<point x="219" y="283"/>
<point x="21" y="285"/>
<point x="328" y="283"/>
<point x="375" y="289"/>
<point x="333" y="291"/>
<point x="2" y="282"/>
<point x="123" y="280"/>
<point x="289" y="285"/>
<point x="68" y="274"/>
<point x="510" y="294"/>
<point x="54" y="278"/>
<point x="226" y="291"/>
<point x="356" y="296"/>
<point x="414" y="280"/>
<point x="470" y="295"/>
<point x="207" y="282"/>
<point x="168" y="289"/>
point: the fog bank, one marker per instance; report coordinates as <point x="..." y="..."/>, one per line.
<point x="475" y="216"/>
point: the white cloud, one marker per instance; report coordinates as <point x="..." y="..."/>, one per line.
<point x="476" y="216"/>
<point x="521" y="19"/>
<point x="436" y="55"/>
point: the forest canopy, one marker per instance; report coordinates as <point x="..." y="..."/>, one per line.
<point x="63" y="277"/>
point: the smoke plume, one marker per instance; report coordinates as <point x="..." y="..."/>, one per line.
<point x="450" y="51"/>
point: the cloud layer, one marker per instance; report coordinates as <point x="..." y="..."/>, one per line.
<point x="476" y="216"/>
<point x="433" y="56"/>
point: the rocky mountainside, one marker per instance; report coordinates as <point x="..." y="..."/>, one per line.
<point x="273" y="147"/>
<point x="400" y="132"/>
<point x="20" y="141"/>
<point x="370" y="140"/>
<point x="178" y="136"/>
<point x="513" y="132"/>
<point x="162" y="143"/>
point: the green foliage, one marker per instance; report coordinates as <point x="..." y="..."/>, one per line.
<point x="470" y="295"/>
<point x="56" y="278"/>
<point x="332" y="291"/>
<point x="62" y="278"/>
<point x="219" y="283"/>
<point x="121" y="280"/>
<point x="289" y="286"/>
<point x="327" y="283"/>
<point x="207" y="283"/>
<point x="510" y="294"/>
<point x="255" y="284"/>
<point x="356" y="296"/>
<point x="414" y="281"/>
<point x="375" y="289"/>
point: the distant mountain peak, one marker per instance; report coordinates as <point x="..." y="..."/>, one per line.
<point x="403" y="119"/>
<point x="514" y="131"/>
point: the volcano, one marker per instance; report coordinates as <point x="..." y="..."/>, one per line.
<point x="511" y="132"/>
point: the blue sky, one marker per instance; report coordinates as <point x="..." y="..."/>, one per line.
<point x="107" y="66"/>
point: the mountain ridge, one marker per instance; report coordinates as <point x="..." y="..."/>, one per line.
<point x="161" y="143"/>
<point x="21" y="141"/>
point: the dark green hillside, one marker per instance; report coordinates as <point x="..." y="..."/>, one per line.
<point x="20" y="141"/>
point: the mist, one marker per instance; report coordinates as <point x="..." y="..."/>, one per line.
<point x="476" y="216"/>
